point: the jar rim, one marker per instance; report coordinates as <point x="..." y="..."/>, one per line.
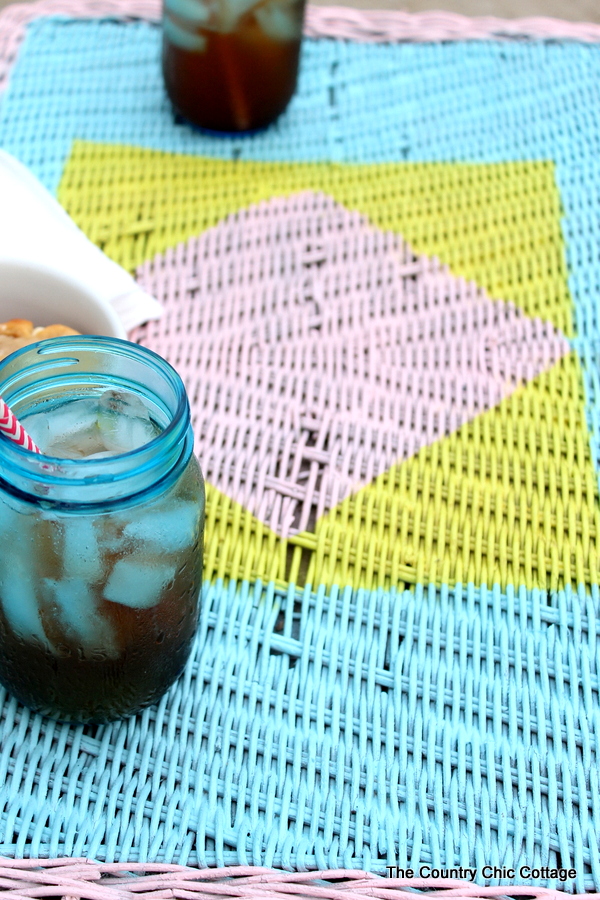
<point x="151" y="461"/>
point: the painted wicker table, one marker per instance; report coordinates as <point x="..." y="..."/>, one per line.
<point x="386" y="310"/>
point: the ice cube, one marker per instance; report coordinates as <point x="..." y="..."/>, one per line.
<point x="124" y="422"/>
<point x="81" y="553"/>
<point x="78" y="615"/>
<point x="124" y="403"/>
<point x="229" y="12"/>
<point x="11" y="521"/>
<point x="93" y="428"/>
<point x="194" y="12"/>
<point x="20" y="605"/>
<point x="18" y="578"/>
<point x="189" y="40"/>
<point x="69" y="431"/>
<point x="137" y="583"/>
<point x="168" y="529"/>
<point x="280" y="21"/>
<point x="38" y="427"/>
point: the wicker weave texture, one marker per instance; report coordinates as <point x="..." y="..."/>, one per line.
<point x="385" y="309"/>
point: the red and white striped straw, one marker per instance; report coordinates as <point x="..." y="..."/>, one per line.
<point x="12" y="428"/>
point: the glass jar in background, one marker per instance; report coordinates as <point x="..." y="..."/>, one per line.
<point x="101" y="562"/>
<point x="231" y="65"/>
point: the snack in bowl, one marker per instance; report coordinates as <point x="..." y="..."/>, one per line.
<point x="17" y="333"/>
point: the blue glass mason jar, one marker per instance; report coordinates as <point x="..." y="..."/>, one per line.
<point x="101" y="557"/>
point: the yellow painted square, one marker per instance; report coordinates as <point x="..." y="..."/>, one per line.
<point x="511" y="497"/>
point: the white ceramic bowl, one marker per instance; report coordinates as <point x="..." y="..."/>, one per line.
<point x="28" y="291"/>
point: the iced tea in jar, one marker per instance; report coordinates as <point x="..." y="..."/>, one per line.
<point x="231" y="65"/>
<point x="101" y="535"/>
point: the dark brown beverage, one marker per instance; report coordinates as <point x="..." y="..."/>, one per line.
<point x="73" y="683"/>
<point x="94" y="659"/>
<point x="235" y="80"/>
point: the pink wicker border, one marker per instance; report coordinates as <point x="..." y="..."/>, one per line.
<point x="76" y="879"/>
<point x="15" y="18"/>
<point x="372" y="26"/>
<point x="381" y="26"/>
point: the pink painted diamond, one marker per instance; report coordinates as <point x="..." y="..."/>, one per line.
<point x="318" y="350"/>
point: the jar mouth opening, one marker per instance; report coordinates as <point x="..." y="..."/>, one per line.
<point x="72" y="367"/>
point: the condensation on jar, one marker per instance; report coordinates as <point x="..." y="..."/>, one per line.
<point x="232" y="66"/>
<point x="99" y="595"/>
